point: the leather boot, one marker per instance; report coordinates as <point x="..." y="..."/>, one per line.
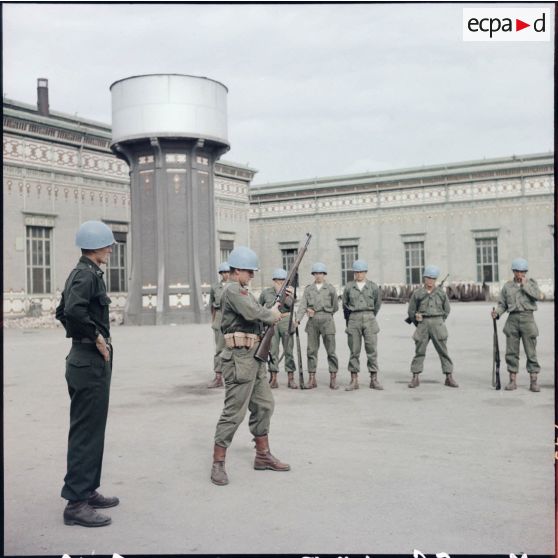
<point x="81" y="513"/>
<point x="414" y="381"/>
<point x="450" y="382"/>
<point x="354" y="382"/>
<point x="512" y="385"/>
<point x="311" y="381"/>
<point x="264" y="459"/>
<point x="333" y="380"/>
<point x="218" y="473"/>
<point x="374" y="384"/>
<point x="273" y="381"/>
<point x="290" y="381"/>
<point x="97" y="500"/>
<point x="534" y="386"/>
<point x="217" y="381"/>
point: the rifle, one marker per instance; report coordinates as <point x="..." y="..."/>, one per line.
<point x="496" y="358"/>
<point x="262" y="353"/>
<point x="408" y="320"/>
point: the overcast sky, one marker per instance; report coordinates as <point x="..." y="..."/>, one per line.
<point x="314" y="90"/>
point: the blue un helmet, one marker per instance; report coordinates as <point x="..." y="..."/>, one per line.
<point x="319" y="267"/>
<point x="243" y="257"/>
<point x="93" y="235"/>
<point x="431" y="271"/>
<point x="224" y="268"/>
<point x="519" y="264"/>
<point x="279" y="273"/>
<point x="360" y="265"/>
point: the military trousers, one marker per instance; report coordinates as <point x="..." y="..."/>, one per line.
<point x="431" y="329"/>
<point x="363" y="325"/>
<point x="521" y="326"/>
<point x="88" y="376"/>
<point x="280" y="338"/>
<point x="219" y="346"/>
<point x="321" y="325"/>
<point x="246" y="389"/>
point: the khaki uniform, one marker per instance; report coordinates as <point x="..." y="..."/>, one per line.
<point x="215" y="304"/>
<point x="281" y="333"/>
<point x="246" y="383"/>
<point x="364" y="306"/>
<point x="520" y="301"/>
<point x="434" y="308"/>
<point x="324" y="302"/>
<point x="84" y="313"/>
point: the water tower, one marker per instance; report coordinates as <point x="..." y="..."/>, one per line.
<point x="170" y="129"/>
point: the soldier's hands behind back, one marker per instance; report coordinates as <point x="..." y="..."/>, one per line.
<point x="102" y="347"/>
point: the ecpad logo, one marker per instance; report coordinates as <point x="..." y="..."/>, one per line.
<point x="506" y="24"/>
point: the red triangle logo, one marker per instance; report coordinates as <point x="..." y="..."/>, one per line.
<point x="519" y="25"/>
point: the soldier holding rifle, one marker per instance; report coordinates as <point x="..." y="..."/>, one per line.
<point x="281" y="334"/>
<point x="245" y="377"/>
<point x="428" y="309"/>
<point x="519" y="298"/>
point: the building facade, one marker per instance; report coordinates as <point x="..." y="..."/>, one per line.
<point x="59" y="171"/>
<point x="471" y="219"/>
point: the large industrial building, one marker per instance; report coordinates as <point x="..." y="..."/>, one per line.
<point x="471" y="218"/>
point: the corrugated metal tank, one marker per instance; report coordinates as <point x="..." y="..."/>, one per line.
<point x="169" y="105"/>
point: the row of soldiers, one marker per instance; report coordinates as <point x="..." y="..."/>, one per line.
<point x="428" y="309"/>
<point x="242" y="320"/>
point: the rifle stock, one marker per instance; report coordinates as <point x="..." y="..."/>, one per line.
<point x="262" y="353"/>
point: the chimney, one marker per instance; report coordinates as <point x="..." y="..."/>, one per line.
<point x="42" y="96"/>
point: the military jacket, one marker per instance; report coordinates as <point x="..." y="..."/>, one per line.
<point x="516" y="297"/>
<point x="369" y="298"/>
<point x="241" y="311"/>
<point x="215" y="295"/>
<point x="84" y="307"/>
<point x="267" y="299"/>
<point x="428" y="304"/>
<point x="323" y="300"/>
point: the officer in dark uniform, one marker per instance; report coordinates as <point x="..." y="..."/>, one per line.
<point x="84" y="313"/>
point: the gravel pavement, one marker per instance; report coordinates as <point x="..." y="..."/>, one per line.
<point x="468" y="470"/>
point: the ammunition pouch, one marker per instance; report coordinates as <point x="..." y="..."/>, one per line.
<point x="241" y="340"/>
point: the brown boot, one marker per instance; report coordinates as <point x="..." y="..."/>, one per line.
<point x="374" y="384"/>
<point x="333" y="380"/>
<point x="264" y="459"/>
<point x="217" y="381"/>
<point x="512" y="385"/>
<point x="290" y="382"/>
<point x="354" y="382"/>
<point x="414" y="381"/>
<point x="273" y="381"/>
<point x="534" y="386"/>
<point x="311" y="381"/>
<point x="218" y="473"/>
<point x="450" y="382"/>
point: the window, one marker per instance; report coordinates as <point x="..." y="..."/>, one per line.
<point x="487" y="260"/>
<point x="39" y="271"/>
<point x="348" y="255"/>
<point x="288" y="257"/>
<point x="225" y="248"/>
<point x="414" y="262"/>
<point x="116" y="266"/>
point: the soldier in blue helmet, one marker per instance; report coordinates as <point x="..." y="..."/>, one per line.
<point x="281" y="334"/>
<point x="215" y="305"/>
<point x="319" y="302"/>
<point x="428" y="309"/>
<point x="84" y="313"/>
<point x="519" y="297"/>
<point x="246" y="385"/>
<point x="362" y="301"/>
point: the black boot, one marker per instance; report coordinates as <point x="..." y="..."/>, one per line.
<point x="81" y="513"/>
